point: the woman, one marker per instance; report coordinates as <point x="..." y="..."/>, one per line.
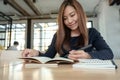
<point x="73" y="34"/>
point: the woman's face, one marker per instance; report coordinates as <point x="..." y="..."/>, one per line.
<point x="70" y="18"/>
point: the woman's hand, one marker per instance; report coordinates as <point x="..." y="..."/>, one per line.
<point x="78" y="54"/>
<point x="30" y="53"/>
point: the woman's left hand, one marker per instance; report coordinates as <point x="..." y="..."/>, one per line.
<point x="78" y="54"/>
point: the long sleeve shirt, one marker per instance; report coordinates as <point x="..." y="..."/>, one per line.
<point x="99" y="49"/>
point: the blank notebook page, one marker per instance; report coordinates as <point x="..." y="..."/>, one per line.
<point x="95" y="63"/>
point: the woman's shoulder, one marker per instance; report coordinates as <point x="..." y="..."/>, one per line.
<point x="92" y="30"/>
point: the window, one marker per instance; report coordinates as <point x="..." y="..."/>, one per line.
<point x="89" y="24"/>
<point x="43" y="34"/>
<point x="2" y="34"/>
<point x="18" y="34"/>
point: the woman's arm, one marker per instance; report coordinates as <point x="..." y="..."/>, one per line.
<point x="102" y="50"/>
<point x="51" y="52"/>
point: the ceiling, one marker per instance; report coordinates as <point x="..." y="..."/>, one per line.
<point x="23" y="9"/>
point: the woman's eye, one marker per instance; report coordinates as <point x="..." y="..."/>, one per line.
<point x="64" y="18"/>
<point x="72" y="15"/>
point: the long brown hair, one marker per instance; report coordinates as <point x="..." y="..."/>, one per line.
<point x="63" y="33"/>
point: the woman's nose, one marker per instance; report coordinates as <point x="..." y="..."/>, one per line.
<point x="70" y="20"/>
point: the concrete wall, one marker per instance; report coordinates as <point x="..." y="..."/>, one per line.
<point x="109" y="25"/>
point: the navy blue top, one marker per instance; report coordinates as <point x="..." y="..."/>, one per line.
<point x="99" y="49"/>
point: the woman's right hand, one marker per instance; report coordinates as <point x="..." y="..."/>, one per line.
<point x="30" y="53"/>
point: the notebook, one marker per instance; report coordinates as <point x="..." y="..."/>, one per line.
<point x="95" y="64"/>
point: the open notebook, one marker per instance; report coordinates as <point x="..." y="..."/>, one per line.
<point x="95" y="64"/>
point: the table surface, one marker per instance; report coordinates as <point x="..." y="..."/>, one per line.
<point x="17" y="70"/>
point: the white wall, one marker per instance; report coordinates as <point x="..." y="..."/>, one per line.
<point x="109" y="25"/>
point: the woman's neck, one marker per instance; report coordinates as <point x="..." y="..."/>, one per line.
<point x="75" y="33"/>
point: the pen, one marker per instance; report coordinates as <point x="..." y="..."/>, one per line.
<point x="85" y="47"/>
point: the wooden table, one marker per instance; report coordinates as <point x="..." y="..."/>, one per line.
<point x="16" y="70"/>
